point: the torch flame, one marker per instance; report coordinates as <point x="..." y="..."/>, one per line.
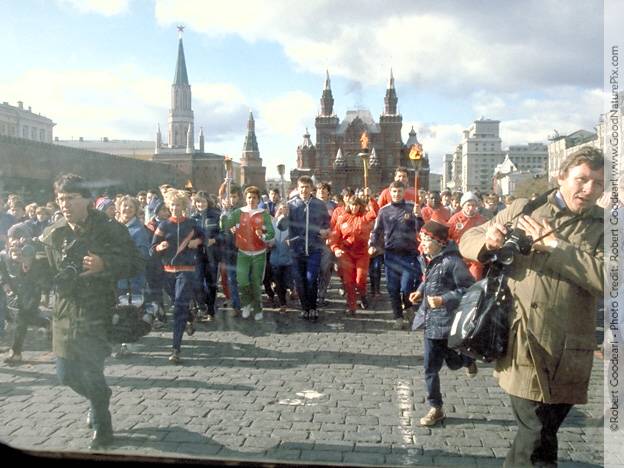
<point x="364" y="140"/>
<point x="416" y="152"/>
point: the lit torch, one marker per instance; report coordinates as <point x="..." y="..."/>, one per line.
<point x="364" y="154"/>
<point x="416" y="156"/>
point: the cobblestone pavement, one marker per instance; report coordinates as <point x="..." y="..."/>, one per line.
<point x="345" y="390"/>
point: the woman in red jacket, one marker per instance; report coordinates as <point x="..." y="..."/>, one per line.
<point x="349" y="242"/>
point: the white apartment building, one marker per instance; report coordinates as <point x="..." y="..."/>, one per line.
<point x="481" y="153"/>
<point x="531" y="157"/>
<point x="15" y="121"/>
<point x="456" y="181"/>
<point x="561" y="146"/>
<point x="447" y="170"/>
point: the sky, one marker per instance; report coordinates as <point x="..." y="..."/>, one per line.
<point x="105" y="67"/>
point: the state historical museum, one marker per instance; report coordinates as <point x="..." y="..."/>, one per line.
<point x="335" y="159"/>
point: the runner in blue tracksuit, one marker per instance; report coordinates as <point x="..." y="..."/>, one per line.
<point x="308" y="227"/>
<point x="395" y="230"/>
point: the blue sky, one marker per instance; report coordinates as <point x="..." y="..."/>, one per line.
<point x="104" y="67"/>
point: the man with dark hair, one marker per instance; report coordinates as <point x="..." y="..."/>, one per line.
<point x="88" y="253"/>
<point x="395" y="231"/>
<point x="308" y="227"/>
<point x="400" y="175"/>
<point x="555" y="288"/>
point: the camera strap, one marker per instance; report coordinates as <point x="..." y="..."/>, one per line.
<point x="560" y="227"/>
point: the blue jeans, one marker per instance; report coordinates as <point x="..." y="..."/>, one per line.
<point x="305" y="269"/>
<point x="179" y="287"/>
<point x="436" y="353"/>
<point x="402" y="277"/>
<point x="85" y="376"/>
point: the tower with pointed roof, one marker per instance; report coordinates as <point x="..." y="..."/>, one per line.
<point x="326" y="123"/>
<point x="391" y="123"/>
<point x="203" y="169"/>
<point x="181" y="119"/>
<point x="252" y="171"/>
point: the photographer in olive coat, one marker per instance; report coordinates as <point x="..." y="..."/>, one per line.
<point x="555" y="288"/>
<point x="88" y="253"/>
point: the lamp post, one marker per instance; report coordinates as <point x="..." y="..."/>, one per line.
<point x="227" y="161"/>
<point x="281" y="169"/>
<point x="364" y="155"/>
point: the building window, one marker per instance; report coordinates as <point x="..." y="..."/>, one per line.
<point x="33" y="133"/>
<point x="3" y="129"/>
<point x="42" y="135"/>
<point x="25" y="131"/>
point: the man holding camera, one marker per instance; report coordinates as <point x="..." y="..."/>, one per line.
<point x="554" y="287"/>
<point x="88" y="253"/>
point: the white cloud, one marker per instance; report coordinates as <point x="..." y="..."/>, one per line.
<point x="454" y="47"/>
<point x="101" y="7"/>
<point x="287" y="113"/>
<point x="120" y="102"/>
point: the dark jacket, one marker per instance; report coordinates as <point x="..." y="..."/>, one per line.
<point x="178" y="232"/>
<point x="83" y="306"/>
<point x="304" y="222"/>
<point x="446" y="275"/>
<point x="396" y="228"/>
<point x="208" y="222"/>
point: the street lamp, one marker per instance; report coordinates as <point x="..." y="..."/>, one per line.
<point x="281" y="169"/>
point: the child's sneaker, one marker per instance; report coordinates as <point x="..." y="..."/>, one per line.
<point x="246" y="311"/>
<point x="258" y="316"/>
<point x="432" y="417"/>
<point x="175" y="357"/>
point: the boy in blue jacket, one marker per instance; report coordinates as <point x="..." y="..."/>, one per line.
<point x="446" y="280"/>
<point x="176" y="240"/>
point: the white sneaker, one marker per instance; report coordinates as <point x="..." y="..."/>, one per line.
<point x="246" y="311"/>
<point x="258" y="316"/>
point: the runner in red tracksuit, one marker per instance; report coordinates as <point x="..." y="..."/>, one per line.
<point x="349" y="242"/>
<point x="466" y="218"/>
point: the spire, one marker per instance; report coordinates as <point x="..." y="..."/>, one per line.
<point x="201" y="139"/>
<point x="327" y="100"/>
<point x="307" y="142"/>
<point x="180" y="112"/>
<point x="251" y="143"/>
<point x="339" y="162"/>
<point x="158" y="140"/>
<point x="391" y="100"/>
<point x="180" y="78"/>
<point x="373" y="160"/>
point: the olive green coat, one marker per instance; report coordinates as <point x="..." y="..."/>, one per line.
<point x="82" y="317"/>
<point x="550" y="352"/>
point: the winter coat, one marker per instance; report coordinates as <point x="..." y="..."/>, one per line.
<point x="83" y="309"/>
<point x="552" y="339"/>
<point x="352" y="231"/>
<point x="209" y="221"/>
<point x="446" y="275"/>
<point x="141" y="238"/>
<point x="304" y="222"/>
<point x="396" y="228"/>
<point x="177" y="231"/>
<point x="280" y="251"/>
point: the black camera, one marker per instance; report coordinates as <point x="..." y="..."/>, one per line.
<point x="70" y="266"/>
<point x="516" y="242"/>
